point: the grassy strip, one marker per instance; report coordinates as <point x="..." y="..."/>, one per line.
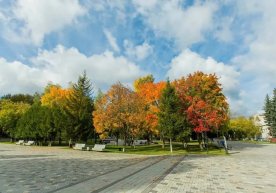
<point x="156" y="149"/>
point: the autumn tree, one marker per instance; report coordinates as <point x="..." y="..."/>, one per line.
<point x="142" y="80"/>
<point x="10" y="113"/>
<point x="203" y="101"/>
<point x="79" y="108"/>
<point x="151" y="92"/>
<point x="242" y="127"/>
<point x="118" y="113"/>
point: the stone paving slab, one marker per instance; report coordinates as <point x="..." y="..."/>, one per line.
<point x="57" y="168"/>
<point x="102" y="182"/>
<point x="249" y="169"/>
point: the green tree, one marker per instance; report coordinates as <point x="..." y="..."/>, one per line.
<point x="170" y="120"/>
<point x="242" y="127"/>
<point x="37" y="123"/>
<point x="79" y="109"/>
<point x="272" y="117"/>
<point x="10" y="113"/>
<point x="16" y="98"/>
<point x="267" y="109"/>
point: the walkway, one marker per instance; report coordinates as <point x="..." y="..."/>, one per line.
<point x="250" y="168"/>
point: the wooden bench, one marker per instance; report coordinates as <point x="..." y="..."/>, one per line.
<point x="29" y="143"/>
<point x="80" y="146"/>
<point x="20" y="142"/>
<point x="98" y="147"/>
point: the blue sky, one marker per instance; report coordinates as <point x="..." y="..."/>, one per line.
<point x="116" y="40"/>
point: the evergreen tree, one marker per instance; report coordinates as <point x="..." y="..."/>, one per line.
<point x="272" y="116"/>
<point x="79" y="108"/>
<point x="170" y="120"/>
<point x="267" y="109"/>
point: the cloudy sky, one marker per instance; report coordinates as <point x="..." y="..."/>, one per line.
<point x="117" y="40"/>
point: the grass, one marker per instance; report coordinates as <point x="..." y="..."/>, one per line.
<point x="156" y="149"/>
<point x="257" y="142"/>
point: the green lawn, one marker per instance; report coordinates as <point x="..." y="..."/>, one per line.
<point x="156" y="149"/>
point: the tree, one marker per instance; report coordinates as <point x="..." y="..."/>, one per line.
<point x="10" y="113"/>
<point x="79" y="108"/>
<point x="170" y="120"/>
<point x="151" y="92"/>
<point x="55" y="97"/>
<point x="203" y="101"/>
<point x="242" y="127"/>
<point x="118" y="113"/>
<point x="142" y="80"/>
<point x="268" y="111"/>
<point x="272" y="117"/>
<point x="16" y="98"/>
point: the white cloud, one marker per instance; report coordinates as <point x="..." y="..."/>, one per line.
<point x="224" y="32"/>
<point x="35" y="19"/>
<point x="189" y="62"/>
<point x="111" y="40"/>
<point x="63" y="65"/>
<point x="184" y="25"/>
<point x="257" y="64"/>
<point x="139" y="52"/>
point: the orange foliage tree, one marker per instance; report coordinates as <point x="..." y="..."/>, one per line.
<point x="119" y="112"/>
<point x="203" y="101"/>
<point x="150" y="93"/>
<point x="55" y="96"/>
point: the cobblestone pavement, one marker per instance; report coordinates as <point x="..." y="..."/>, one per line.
<point x="248" y="168"/>
<point x="46" y="169"/>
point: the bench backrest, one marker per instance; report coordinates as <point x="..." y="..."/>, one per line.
<point x="20" y="141"/>
<point x="80" y="145"/>
<point x="99" y="146"/>
<point x="30" y="142"/>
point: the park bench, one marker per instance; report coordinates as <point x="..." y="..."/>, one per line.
<point x="98" y="147"/>
<point x="80" y="146"/>
<point x="29" y="143"/>
<point x="20" y="142"/>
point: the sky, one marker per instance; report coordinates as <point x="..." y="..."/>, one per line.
<point x="115" y="40"/>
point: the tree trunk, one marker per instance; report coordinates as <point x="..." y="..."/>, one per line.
<point x="163" y="144"/>
<point x="70" y="142"/>
<point x="171" y="145"/>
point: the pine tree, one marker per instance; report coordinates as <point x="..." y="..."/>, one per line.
<point x="272" y="116"/>
<point x="79" y="108"/>
<point x="267" y="109"/>
<point x="170" y="119"/>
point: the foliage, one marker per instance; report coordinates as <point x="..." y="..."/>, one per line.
<point x="151" y="92"/>
<point x="36" y="123"/>
<point x="169" y="117"/>
<point x="142" y="80"/>
<point x="242" y="127"/>
<point x="202" y="99"/>
<point x="79" y="108"/>
<point x="270" y="112"/>
<point x="10" y="113"/>
<point x="55" y="96"/>
<point x="16" y="98"/>
<point x="118" y="113"/>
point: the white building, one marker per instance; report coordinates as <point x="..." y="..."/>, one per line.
<point x="259" y="120"/>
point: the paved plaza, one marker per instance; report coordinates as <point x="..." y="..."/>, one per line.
<point x="249" y="168"/>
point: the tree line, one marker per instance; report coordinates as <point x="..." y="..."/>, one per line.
<point x="166" y="110"/>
